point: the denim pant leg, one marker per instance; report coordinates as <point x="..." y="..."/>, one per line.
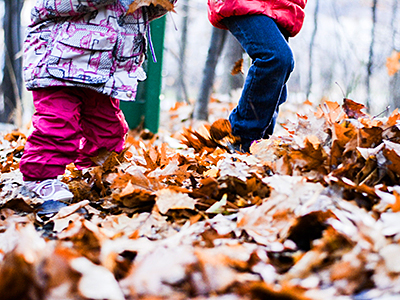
<point x="265" y="86"/>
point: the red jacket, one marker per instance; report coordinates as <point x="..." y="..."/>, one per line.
<point x="288" y="14"/>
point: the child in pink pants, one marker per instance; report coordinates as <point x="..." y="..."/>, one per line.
<point x="81" y="58"/>
<point x="71" y="125"/>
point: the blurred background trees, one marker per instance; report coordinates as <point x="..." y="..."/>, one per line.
<point x="12" y="64"/>
<point x="341" y="51"/>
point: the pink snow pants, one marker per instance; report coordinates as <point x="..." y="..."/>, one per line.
<point x="70" y="125"/>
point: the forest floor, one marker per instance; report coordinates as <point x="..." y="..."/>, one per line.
<point x="311" y="213"/>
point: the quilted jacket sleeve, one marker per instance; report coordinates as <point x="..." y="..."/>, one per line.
<point x="49" y="9"/>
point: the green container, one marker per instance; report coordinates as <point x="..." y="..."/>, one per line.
<point x="146" y="107"/>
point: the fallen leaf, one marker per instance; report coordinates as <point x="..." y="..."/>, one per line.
<point x="168" y="199"/>
<point x="220" y="129"/>
<point x="391" y="257"/>
<point x="97" y="282"/>
<point x="353" y="109"/>
<point x="139" y="3"/>
<point x="70" y="209"/>
<point x="393" y="63"/>
<point x="330" y="110"/>
<point x="218" y="207"/>
<point x="238" y="67"/>
<point x="396" y="205"/>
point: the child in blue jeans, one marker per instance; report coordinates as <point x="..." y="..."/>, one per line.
<point x="262" y="27"/>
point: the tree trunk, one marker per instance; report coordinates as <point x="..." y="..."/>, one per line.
<point x="394" y="83"/>
<point x="12" y="73"/>
<point x="182" y="91"/>
<point x="394" y="101"/>
<point x="214" y="51"/>
<point x="310" y="53"/>
<point x="371" y="54"/>
<point x="234" y="52"/>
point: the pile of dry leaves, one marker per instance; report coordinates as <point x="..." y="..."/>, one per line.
<point x="312" y="214"/>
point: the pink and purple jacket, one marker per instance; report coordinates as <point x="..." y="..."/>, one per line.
<point x="288" y="14"/>
<point x="87" y="43"/>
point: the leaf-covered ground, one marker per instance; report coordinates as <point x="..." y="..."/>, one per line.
<point x="310" y="214"/>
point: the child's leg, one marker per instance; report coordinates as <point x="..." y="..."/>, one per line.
<point x="264" y="89"/>
<point x="54" y="143"/>
<point x="103" y="126"/>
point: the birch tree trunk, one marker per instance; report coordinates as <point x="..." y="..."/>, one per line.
<point x="311" y="52"/>
<point x="12" y="72"/>
<point x="233" y="52"/>
<point x="182" y="91"/>
<point x="214" y="51"/>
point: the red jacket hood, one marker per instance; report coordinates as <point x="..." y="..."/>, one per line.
<point x="288" y="14"/>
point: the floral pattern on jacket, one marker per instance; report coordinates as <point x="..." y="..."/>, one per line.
<point x="87" y="43"/>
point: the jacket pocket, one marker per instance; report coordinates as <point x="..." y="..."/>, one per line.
<point x="82" y="53"/>
<point x="131" y="40"/>
<point x="131" y="45"/>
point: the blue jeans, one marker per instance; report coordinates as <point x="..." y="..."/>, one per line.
<point x="265" y="86"/>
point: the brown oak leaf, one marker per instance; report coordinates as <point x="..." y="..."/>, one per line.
<point x="353" y="109"/>
<point x="238" y="67"/>
<point x="139" y="3"/>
